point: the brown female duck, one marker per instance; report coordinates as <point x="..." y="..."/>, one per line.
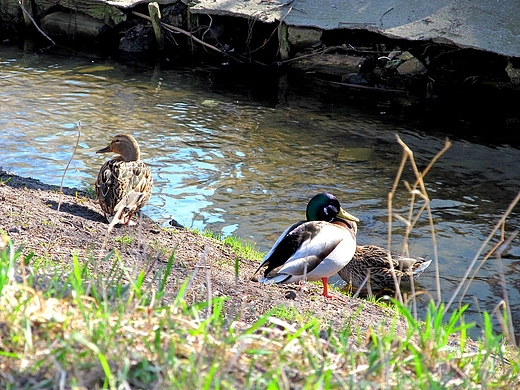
<point x="124" y="183"/>
<point x="371" y="268"/>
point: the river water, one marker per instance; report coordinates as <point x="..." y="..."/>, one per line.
<point x="242" y="162"/>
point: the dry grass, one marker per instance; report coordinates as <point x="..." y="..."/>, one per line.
<point x="128" y="340"/>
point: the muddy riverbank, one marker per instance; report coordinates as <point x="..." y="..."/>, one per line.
<point x="56" y="226"/>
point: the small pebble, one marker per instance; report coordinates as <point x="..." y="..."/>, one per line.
<point x="14" y="230"/>
<point x="176" y="224"/>
<point x="324" y="335"/>
<point x="290" y="295"/>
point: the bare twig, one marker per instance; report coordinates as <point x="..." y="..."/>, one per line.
<point x="68" y="164"/>
<point x="170" y="28"/>
<point x="180" y="30"/>
<point x="382" y="16"/>
<point x="486" y="256"/>
<point x="33" y="21"/>
<point x="495" y="250"/>
<point x="209" y="289"/>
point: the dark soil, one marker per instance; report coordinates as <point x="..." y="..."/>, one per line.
<point x="56" y="225"/>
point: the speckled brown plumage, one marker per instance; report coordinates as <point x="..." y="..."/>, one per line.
<point x="124" y="183"/>
<point x="373" y="261"/>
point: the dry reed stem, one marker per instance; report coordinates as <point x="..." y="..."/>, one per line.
<point x="390" y="218"/>
<point x="411" y="221"/>
<point x="497" y="226"/>
<point x="68" y="164"/>
<point x="501" y="242"/>
<point x="410" y="226"/>
<point x="507" y="329"/>
<point x="22" y="262"/>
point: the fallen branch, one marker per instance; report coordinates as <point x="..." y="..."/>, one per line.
<point x="180" y="30"/>
<point x="236" y="56"/>
<point x="34" y="22"/>
<point x="366" y="87"/>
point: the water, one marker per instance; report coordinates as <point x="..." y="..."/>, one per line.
<point x="227" y="160"/>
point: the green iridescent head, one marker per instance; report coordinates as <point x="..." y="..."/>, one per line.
<point x="326" y="207"/>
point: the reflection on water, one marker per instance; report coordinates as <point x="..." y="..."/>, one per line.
<point x="226" y="162"/>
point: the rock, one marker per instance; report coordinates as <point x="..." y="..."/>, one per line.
<point x="14" y="230"/>
<point x="300" y="37"/>
<point x="137" y="39"/>
<point x="354" y="78"/>
<point x="405" y="63"/>
<point x="404" y="56"/>
<point x="73" y="25"/>
<point x="290" y="294"/>
<point x="332" y="64"/>
<point x="513" y="73"/>
<point x="393" y="54"/>
<point x="175" y="15"/>
<point x="393" y="64"/>
<point x="411" y="67"/>
<point x="11" y="12"/>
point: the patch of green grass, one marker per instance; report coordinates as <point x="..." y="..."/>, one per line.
<point x="240" y="247"/>
<point x="157" y="246"/>
<point x="44" y="262"/>
<point x="114" y="334"/>
<point x="4" y="182"/>
<point x="90" y="193"/>
<point x="286" y="313"/>
<point x="125" y="240"/>
<point x="243" y="249"/>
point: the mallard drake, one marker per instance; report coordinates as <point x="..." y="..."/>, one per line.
<point x="371" y="262"/>
<point x="124" y="183"/>
<point x="313" y="249"/>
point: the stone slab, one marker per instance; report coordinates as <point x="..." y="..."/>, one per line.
<point x="485" y="25"/>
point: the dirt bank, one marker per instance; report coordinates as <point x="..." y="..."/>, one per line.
<point x="29" y="215"/>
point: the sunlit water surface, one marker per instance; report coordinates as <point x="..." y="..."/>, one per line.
<point x="223" y="161"/>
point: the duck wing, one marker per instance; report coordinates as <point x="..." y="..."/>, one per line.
<point x="412" y="266"/>
<point x="372" y="256"/>
<point x="300" y="250"/>
<point x="283" y="248"/>
<point x="118" y="180"/>
<point x="373" y="262"/>
<point x="107" y="185"/>
<point x="419" y="266"/>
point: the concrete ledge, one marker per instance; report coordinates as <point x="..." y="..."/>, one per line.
<point x="72" y="25"/>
